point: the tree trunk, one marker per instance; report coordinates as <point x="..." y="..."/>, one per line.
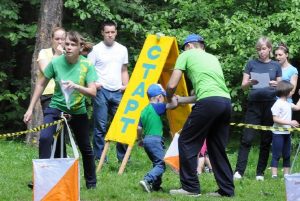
<point x="50" y="17"/>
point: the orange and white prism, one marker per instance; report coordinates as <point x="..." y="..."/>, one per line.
<point x="56" y="179"/>
<point x="172" y="154"/>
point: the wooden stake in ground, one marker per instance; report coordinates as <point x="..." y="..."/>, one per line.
<point x="125" y="160"/>
<point x="102" y="158"/>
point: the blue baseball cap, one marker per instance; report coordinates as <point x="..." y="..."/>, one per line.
<point x="192" y="38"/>
<point x="155" y="90"/>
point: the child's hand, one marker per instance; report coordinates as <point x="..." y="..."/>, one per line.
<point x="253" y="82"/>
<point x="294" y="123"/>
<point x="174" y="103"/>
<point x="273" y="83"/>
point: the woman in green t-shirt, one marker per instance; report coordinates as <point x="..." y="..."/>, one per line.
<point x="74" y="78"/>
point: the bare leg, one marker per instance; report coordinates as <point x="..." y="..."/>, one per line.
<point x="286" y="170"/>
<point x="207" y="162"/>
<point x="200" y="165"/>
<point x="274" y="171"/>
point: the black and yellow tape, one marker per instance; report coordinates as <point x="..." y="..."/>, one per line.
<point x="36" y="129"/>
<point x="41" y="127"/>
<point x="264" y="128"/>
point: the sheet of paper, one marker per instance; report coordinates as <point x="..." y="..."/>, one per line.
<point x="262" y="78"/>
<point x="67" y="93"/>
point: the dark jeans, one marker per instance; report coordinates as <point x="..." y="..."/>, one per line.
<point x="258" y="113"/>
<point x="80" y="128"/>
<point x="281" y="147"/>
<point x="45" y="101"/>
<point x="209" y="119"/>
<point x="154" y="147"/>
<point x="106" y="102"/>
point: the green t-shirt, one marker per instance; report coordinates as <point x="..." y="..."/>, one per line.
<point x="82" y="73"/>
<point x="205" y="73"/>
<point x="151" y="121"/>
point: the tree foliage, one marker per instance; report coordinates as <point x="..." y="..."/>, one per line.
<point x="230" y="28"/>
<point x="17" y="30"/>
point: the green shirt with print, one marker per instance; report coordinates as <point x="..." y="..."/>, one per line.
<point x="81" y="73"/>
<point x="204" y="71"/>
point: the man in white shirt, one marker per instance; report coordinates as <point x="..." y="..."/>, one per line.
<point x="110" y="59"/>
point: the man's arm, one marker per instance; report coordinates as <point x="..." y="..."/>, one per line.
<point x="186" y="99"/>
<point x="125" y="77"/>
<point x="172" y="84"/>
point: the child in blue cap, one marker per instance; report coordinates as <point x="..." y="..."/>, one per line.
<point x="151" y="126"/>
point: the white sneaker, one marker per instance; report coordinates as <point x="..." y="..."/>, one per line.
<point x="146" y="186"/>
<point x="237" y="176"/>
<point x="183" y="192"/>
<point x="260" y="178"/>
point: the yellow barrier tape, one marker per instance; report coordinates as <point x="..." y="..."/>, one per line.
<point x="264" y="128"/>
<point x="41" y="127"/>
<point x="58" y="131"/>
<point x="36" y="129"/>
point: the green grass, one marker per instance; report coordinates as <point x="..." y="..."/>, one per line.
<point x="16" y="172"/>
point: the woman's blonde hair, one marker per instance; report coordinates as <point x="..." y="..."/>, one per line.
<point x="264" y="40"/>
<point x="57" y="29"/>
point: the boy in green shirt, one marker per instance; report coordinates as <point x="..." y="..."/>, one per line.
<point x="151" y="126"/>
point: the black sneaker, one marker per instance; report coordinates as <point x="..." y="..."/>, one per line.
<point x="30" y="185"/>
<point x="91" y="186"/>
<point x="218" y="194"/>
<point x="158" y="189"/>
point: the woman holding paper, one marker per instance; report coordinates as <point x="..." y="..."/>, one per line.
<point x="260" y="100"/>
<point x="74" y="77"/>
<point x="289" y="72"/>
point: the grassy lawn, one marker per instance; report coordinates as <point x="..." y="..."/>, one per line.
<point x="16" y="172"/>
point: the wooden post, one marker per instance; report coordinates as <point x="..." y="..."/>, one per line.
<point x="125" y="160"/>
<point x="102" y="158"/>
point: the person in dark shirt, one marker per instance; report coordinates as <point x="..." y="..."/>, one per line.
<point x="260" y="101"/>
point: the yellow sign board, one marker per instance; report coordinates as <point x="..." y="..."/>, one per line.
<point x="156" y="61"/>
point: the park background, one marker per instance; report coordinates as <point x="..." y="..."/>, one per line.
<point x="230" y="28"/>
